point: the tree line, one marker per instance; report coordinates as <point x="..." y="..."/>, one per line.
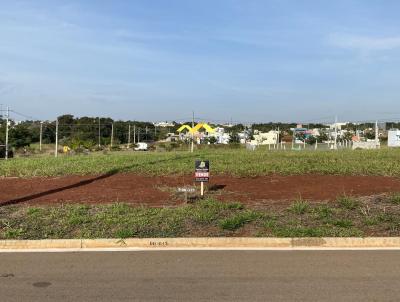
<point x="89" y="132"/>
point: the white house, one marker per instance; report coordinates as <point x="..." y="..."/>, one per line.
<point x="220" y="135"/>
<point x="265" y="138"/>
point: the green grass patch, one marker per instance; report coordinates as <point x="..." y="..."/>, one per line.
<point x="343" y="223"/>
<point x="239" y="162"/>
<point x="299" y="207"/>
<point x="395" y="198"/>
<point x="203" y="218"/>
<point x="237" y="221"/>
<point x="323" y="211"/>
<point x="347" y="202"/>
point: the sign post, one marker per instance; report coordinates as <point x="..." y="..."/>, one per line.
<point x="202" y="173"/>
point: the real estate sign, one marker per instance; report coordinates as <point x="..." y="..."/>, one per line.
<point x="202" y="170"/>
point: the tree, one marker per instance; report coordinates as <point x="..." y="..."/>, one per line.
<point x="369" y="135"/>
<point x="20" y="136"/>
<point x="311" y="140"/>
<point x="234" y="138"/>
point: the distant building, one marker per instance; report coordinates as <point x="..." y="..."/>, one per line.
<point x="164" y="124"/>
<point x="337" y="125"/>
<point x="220" y="135"/>
<point x="265" y="138"/>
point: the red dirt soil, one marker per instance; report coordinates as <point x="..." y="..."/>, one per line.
<point x="161" y="191"/>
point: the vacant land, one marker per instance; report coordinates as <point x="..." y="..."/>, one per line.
<point x="159" y="191"/>
<point x="385" y="162"/>
<point x="275" y="193"/>
<point x="347" y="216"/>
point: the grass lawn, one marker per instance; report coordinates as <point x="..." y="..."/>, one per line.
<point x="374" y="216"/>
<point x="239" y="162"/>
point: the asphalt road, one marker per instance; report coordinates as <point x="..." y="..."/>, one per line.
<point x="201" y="276"/>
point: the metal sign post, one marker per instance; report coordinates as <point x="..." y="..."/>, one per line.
<point x="202" y="173"/>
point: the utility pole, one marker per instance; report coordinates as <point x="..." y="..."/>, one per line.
<point x="335" y="145"/>
<point x="293" y="138"/>
<point x="138" y="135"/>
<point x="134" y="134"/>
<point x="192" y="146"/>
<point x="40" y="136"/>
<point x="112" y="135"/>
<point x="376" y="134"/>
<point x="56" y="151"/>
<point x="7" y="121"/>
<point x="129" y="135"/>
<point x="99" y="134"/>
<point x="277" y="141"/>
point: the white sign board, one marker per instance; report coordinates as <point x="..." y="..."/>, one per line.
<point x="394" y="138"/>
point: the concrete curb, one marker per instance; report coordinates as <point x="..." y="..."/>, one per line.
<point x="201" y="243"/>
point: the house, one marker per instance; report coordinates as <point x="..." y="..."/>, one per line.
<point x="265" y="138"/>
<point x="337" y="125"/>
<point x="220" y="135"/>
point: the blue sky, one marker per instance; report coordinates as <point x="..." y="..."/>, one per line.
<point x="248" y="60"/>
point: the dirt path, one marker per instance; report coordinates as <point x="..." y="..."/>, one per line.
<point x="161" y="191"/>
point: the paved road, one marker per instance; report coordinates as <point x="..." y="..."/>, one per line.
<point x="201" y="276"/>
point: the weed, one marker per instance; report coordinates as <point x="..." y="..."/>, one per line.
<point x="300" y="231"/>
<point x="33" y="211"/>
<point x="371" y="221"/>
<point x="299" y="207"/>
<point x="343" y="223"/>
<point x="365" y="210"/>
<point x="235" y="206"/>
<point x="323" y="211"/>
<point x="395" y="198"/>
<point x="236" y="221"/>
<point x="14" y="233"/>
<point x="347" y="202"/>
<point x="124" y="233"/>
<point x="78" y="215"/>
<point x="270" y="223"/>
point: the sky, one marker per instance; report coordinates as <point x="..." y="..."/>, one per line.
<point x="240" y="60"/>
